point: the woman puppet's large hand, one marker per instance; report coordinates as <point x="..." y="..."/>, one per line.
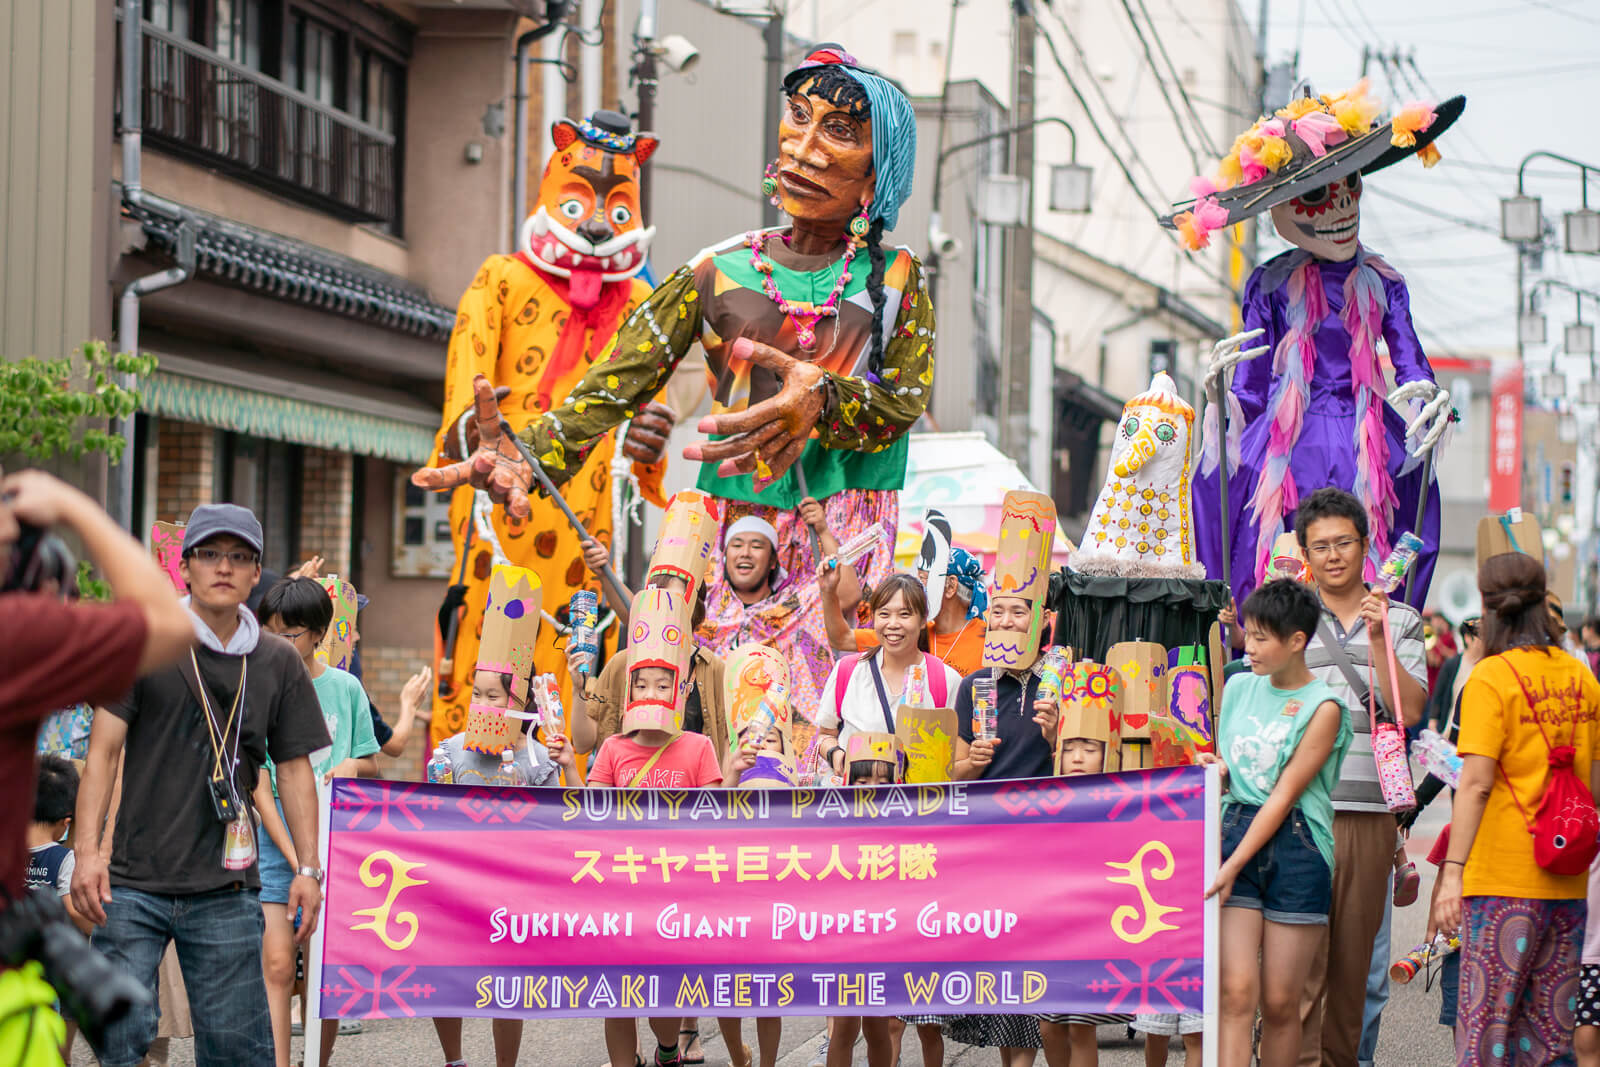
<point x="765" y="438"/>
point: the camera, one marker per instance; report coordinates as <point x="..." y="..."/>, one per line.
<point x="943" y="243"/>
<point x="93" y="992"/>
<point x="37" y="559"/>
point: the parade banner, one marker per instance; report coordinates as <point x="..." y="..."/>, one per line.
<point x="1044" y="895"/>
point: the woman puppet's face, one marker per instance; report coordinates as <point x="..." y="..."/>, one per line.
<point x="824" y="160"/>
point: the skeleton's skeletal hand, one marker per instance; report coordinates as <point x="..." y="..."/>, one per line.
<point x="1431" y="419"/>
<point x="1226" y="353"/>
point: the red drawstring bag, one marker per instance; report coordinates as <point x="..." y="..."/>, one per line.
<point x="1566" y="826"/>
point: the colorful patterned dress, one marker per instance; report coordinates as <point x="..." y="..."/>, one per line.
<point x="856" y="460"/>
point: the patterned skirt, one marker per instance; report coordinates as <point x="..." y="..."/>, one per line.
<point x="1519" y="980"/>
<point x="994" y="1031"/>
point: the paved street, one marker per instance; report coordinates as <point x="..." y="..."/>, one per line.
<point x="1411" y="1034"/>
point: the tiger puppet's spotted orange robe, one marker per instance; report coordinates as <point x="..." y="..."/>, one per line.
<point x="534" y="321"/>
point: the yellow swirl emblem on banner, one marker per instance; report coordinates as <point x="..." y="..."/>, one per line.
<point x="1152" y="915"/>
<point x="398" y="877"/>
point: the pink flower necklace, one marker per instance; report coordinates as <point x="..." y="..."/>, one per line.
<point x="804" y="314"/>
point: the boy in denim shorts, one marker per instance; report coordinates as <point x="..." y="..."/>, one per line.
<point x="1282" y="737"/>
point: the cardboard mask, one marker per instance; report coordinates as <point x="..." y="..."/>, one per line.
<point x="927" y="737"/>
<point x="934" y="558"/>
<point x="683" y="550"/>
<point x="864" y="745"/>
<point x="1143" y="667"/>
<point x="1515" y="531"/>
<point x="658" y="637"/>
<point x="1021" y="569"/>
<point x="1323" y="221"/>
<point x="1186" y="728"/>
<point x="510" y="628"/>
<point x="1091" y="707"/>
<point x="338" y="644"/>
<point x="166" y="545"/>
<point x="756" y="685"/>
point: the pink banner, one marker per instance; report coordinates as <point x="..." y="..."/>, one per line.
<point x="1049" y="895"/>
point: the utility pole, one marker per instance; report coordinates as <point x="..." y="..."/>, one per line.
<point x="772" y="34"/>
<point x="645" y="73"/>
<point x="1014" y="366"/>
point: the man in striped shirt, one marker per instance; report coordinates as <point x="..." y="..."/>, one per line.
<point x="1332" y="528"/>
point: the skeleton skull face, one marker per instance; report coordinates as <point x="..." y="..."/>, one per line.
<point x="1325" y="221"/>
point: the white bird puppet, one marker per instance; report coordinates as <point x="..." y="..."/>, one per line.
<point x="1141" y="526"/>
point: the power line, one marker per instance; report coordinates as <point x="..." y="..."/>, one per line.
<point x="1548" y="6"/>
<point x="1172" y="108"/>
<point x="1429" y="209"/>
<point x="1177" y="80"/>
<point x="1105" y="102"/>
<point x="1117" y="159"/>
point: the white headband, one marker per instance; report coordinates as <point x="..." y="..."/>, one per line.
<point x="752" y="524"/>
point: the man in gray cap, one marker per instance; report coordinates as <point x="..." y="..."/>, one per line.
<point x="183" y="865"/>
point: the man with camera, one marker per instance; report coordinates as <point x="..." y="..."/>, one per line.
<point x="57" y="654"/>
<point x="183" y="862"/>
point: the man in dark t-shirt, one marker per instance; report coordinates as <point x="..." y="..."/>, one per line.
<point x="1021" y="747"/>
<point x="195" y="736"/>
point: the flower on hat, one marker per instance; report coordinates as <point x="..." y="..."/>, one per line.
<point x="1194" y="227"/>
<point x="1429" y="154"/>
<point x="1355" y="109"/>
<point x="1412" y="119"/>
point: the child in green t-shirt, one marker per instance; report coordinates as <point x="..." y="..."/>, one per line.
<point x="1281" y="738"/>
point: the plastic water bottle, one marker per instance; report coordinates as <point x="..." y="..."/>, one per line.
<point x="582" y="614"/>
<point x="984" y="719"/>
<point x="439" y="772"/>
<point x="1053" y="673"/>
<point x="1393" y="573"/>
<point x="915" y="693"/>
<point x="508" y="767"/>
<point x="1438" y="757"/>
<point x="547" y="699"/>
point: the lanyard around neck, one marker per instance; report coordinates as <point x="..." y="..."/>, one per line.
<point x="218" y="732"/>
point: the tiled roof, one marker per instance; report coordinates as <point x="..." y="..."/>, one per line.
<point x="302" y="273"/>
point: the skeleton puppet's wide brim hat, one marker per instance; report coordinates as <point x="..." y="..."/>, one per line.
<point x="1312" y="142"/>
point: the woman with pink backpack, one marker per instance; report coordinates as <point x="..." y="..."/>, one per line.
<point x="864" y="692"/>
<point x="1524" y="828"/>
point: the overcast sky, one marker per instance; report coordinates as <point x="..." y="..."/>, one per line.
<point x="1530" y="71"/>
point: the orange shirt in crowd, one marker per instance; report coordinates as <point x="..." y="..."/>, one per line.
<point x="960" y="650"/>
<point x="1496" y="722"/>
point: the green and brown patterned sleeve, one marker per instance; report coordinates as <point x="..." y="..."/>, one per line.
<point x="868" y="415"/>
<point x="641" y="357"/>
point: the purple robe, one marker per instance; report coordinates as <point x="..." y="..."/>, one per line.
<point x="1325" y="453"/>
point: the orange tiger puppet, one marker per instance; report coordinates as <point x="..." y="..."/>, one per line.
<point x="532" y="322"/>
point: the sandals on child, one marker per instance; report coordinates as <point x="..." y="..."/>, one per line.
<point x="1407" y="884"/>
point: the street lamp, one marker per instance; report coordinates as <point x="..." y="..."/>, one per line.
<point x="1552" y="384"/>
<point x="1521" y="218"/>
<point x="1069" y="191"/>
<point x="1583" y="232"/>
<point x="1531" y="327"/>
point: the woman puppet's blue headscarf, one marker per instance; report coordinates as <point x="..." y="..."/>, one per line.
<point x="968" y="572"/>
<point x="894" y="128"/>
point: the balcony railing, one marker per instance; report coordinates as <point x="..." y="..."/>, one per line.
<point x="198" y="103"/>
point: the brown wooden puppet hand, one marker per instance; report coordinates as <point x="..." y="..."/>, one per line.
<point x="765" y="438"/>
<point x="495" y="464"/>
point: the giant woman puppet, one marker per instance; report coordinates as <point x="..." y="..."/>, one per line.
<point x="819" y="350"/>
<point x="1313" y="413"/>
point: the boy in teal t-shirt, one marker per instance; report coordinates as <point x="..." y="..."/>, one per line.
<point x="1281" y="737"/>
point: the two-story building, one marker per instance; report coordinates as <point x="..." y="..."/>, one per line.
<point x="320" y="178"/>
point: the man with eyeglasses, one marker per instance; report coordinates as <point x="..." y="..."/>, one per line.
<point x="1331" y="526"/>
<point x="183" y="867"/>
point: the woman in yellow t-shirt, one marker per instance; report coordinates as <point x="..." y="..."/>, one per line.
<point x="1521" y="926"/>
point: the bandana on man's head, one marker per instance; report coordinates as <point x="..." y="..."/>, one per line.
<point x="894" y="129"/>
<point x="968" y="572"/>
<point x="749" y="524"/>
